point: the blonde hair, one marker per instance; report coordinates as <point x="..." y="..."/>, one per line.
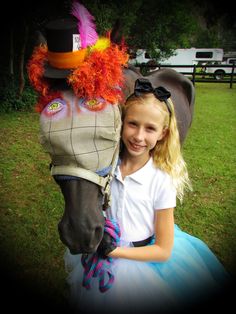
<point x="167" y="154"/>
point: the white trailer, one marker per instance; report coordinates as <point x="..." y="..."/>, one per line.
<point x="185" y="56"/>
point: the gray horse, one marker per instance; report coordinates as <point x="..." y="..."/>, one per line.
<point x="84" y="158"/>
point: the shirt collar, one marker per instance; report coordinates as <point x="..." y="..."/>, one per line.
<point x="137" y="176"/>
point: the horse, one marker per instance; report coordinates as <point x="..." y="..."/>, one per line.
<point x="81" y="226"/>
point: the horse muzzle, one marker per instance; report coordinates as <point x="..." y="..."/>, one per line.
<point x="84" y="241"/>
<point x="82" y="224"/>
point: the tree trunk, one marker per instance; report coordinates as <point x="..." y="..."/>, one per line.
<point x="11" y="55"/>
<point x="22" y="61"/>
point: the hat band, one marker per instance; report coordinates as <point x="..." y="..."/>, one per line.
<point x="66" y="60"/>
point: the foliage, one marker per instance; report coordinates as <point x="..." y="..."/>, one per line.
<point x="151" y="24"/>
<point x="161" y="26"/>
<point x="216" y="33"/>
<point x="170" y="27"/>
<point x="106" y="14"/>
<point x="208" y="38"/>
<point x="10" y="99"/>
<point x="135" y="17"/>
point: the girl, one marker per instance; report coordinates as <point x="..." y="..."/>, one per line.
<point x="156" y="266"/>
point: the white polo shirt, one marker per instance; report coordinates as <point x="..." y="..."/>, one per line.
<point x="135" y="199"/>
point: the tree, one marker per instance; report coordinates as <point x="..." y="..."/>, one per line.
<point x="163" y="26"/>
<point x="18" y="33"/>
<point x="151" y="24"/>
<point x="159" y="26"/>
<point x="217" y="26"/>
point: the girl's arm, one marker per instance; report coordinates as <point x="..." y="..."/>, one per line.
<point x="161" y="250"/>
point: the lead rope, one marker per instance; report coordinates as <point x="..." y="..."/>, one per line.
<point x="97" y="267"/>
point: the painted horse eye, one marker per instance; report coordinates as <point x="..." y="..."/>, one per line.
<point x="55" y="106"/>
<point x="95" y="104"/>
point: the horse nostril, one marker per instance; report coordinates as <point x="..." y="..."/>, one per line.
<point x="93" y="239"/>
<point x="64" y="233"/>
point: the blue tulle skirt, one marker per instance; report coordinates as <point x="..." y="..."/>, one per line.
<point x="191" y="275"/>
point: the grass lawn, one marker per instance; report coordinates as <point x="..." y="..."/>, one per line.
<point x="30" y="208"/>
<point x="31" y="204"/>
<point x="209" y="150"/>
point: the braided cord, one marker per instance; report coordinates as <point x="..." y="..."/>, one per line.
<point x="97" y="267"/>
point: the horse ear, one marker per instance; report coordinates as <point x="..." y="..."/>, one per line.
<point x="116" y="32"/>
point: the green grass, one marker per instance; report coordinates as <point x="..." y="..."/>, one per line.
<point x="209" y="150"/>
<point x="31" y="204"/>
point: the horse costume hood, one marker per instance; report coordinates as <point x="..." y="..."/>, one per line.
<point x="79" y="139"/>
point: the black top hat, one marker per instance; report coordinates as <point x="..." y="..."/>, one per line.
<point x="64" y="48"/>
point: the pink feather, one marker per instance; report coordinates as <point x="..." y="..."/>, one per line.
<point x="86" y="25"/>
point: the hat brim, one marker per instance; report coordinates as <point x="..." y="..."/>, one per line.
<point x="51" y="72"/>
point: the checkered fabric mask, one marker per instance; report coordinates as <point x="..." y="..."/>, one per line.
<point x="76" y="137"/>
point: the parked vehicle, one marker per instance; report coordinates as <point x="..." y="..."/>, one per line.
<point x="185" y="56"/>
<point x="221" y="69"/>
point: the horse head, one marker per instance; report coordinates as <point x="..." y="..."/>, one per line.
<point x="83" y="146"/>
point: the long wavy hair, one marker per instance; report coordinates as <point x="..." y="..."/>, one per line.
<point x="167" y="154"/>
